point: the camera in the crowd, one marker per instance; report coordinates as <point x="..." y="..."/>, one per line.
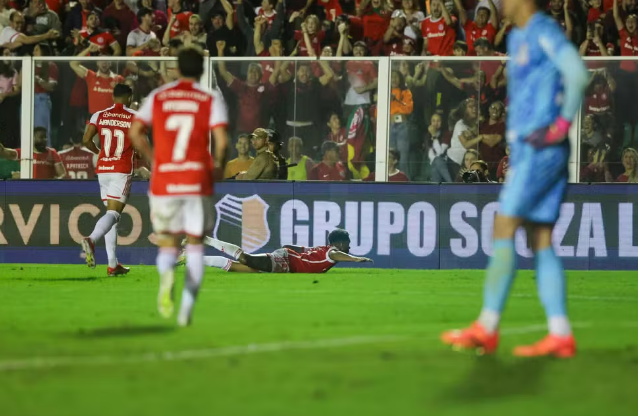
<point x="474" y="176"/>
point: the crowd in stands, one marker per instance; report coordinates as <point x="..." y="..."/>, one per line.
<point x="446" y="118"/>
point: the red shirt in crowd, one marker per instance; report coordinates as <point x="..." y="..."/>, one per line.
<point x="323" y="172"/>
<point x="181" y="22"/>
<point x="101" y="39"/>
<point x="126" y="18"/>
<point x="43" y="163"/>
<point x="101" y="90"/>
<point x="492" y="155"/>
<point x="333" y="8"/>
<point x="250" y="101"/>
<point x="503" y="167"/>
<point x="341" y="138"/>
<point x="53" y="77"/>
<point x="315" y="39"/>
<point x="628" y="47"/>
<point x="440" y="36"/>
<point x="473" y="32"/>
<point x="598" y="103"/>
<point x="398" y="176"/>
<point x="375" y="24"/>
<point x="78" y="162"/>
<point x="312" y="260"/>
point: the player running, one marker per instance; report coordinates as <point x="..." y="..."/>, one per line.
<point x="288" y="259"/>
<point x="182" y="115"/>
<point x="114" y="173"/>
<point x="546" y="83"/>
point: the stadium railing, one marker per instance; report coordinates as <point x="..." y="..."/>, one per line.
<point x="379" y="131"/>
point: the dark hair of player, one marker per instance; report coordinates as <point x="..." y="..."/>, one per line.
<point x="143" y="12"/>
<point x="191" y="63"/>
<point x="122" y="91"/>
<point x="338" y="235"/>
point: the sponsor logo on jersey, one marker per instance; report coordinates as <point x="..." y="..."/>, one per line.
<point x="244" y="218"/>
<point x="105" y="167"/>
<point x="117" y="115"/>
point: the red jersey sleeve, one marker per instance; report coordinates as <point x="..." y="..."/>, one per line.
<point x="55" y="156"/>
<point x="90" y="77"/>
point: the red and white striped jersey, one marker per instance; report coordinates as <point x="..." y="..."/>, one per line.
<point x="116" y="150"/>
<point x="182" y="115"/>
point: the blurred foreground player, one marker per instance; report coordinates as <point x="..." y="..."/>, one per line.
<point x="114" y="173"/>
<point x="546" y="83"/>
<point x="182" y="115"/>
<point x="288" y="259"/>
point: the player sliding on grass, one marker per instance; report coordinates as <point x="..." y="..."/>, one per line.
<point x="546" y="83"/>
<point x="288" y="259"/>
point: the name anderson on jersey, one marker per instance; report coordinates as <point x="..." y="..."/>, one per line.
<point x="115" y="123"/>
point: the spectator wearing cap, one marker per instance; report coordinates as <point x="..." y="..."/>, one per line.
<point x="44" y="18"/>
<point x="12" y="37"/>
<point x="393" y="37"/>
<point x="160" y="21"/>
<point x="92" y="34"/>
<point x="141" y="40"/>
<point x="376" y="16"/>
<point x="275" y="145"/>
<point x="438" y="31"/>
<point x="304" y="164"/>
<point x="77" y="16"/>
<point x="265" y="166"/>
<point x="394" y="174"/>
<point x="125" y="17"/>
<point x="178" y="20"/>
<point x="221" y="28"/>
<point x="484" y="24"/>
<point x="329" y="169"/>
<point x="252" y="94"/>
<point x="266" y="35"/>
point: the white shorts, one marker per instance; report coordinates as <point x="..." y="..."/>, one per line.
<point x="115" y="186"/>
<point x="178" y="215"/>
<point x="279" y="259"/>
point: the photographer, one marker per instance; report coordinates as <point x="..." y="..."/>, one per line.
<point x="478" y="173"/>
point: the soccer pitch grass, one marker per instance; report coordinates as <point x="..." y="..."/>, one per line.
<point x="349" y="342"/>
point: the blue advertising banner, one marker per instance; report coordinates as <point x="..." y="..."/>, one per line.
<point x="417" y="226"/>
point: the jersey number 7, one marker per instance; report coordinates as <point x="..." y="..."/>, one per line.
<point x="183" y="124"/>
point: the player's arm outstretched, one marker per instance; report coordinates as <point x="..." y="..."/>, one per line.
<point x="567" y="60"/>
<point x="340" y="256"/>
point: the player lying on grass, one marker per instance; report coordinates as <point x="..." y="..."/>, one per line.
<point x="288" y="259"/>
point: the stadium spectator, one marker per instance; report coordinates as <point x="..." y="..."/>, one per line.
<point x="559" y="10"/>
<point x="303" y="162"/>
<point x="413" y="16"/>
<point x="630" y="163"/>
<point x="275" y="145"/>
<point x="329" y="169"/>
<point x="593" y="44"/>
<point x="462" y="136"/>
<point x="77" y="16"/>
<point x="265" y="35"/>
<point x="47" y="163"/>
<point x="93" y="34"/>
<point x="265" y="166"/>
<point x="251" y="94"/>
<point x="438" y="31"/>
<point x="591" y="136"/>
<point x="46" y="81"/>
<point x="401" y="107"/>
<point x="178" y="20"/>
<point x="12" y="37"/>
<point x="480" y="166"/>
<point x="503" y="166"/>
<point x="311" y="27"/>
<point x="141" y="40"/>
<point x="5" y="13"/>
<point x="394" y="174"/>
<point x="338" y="134"/>
<point x="10" y="89"/>
<point x="597" y="165"/>
<point x="243" y="160"/>
<point x="44" y="19"/>
<point x="268" y="12"/>
<point x="484" y="25"/>
<point x="160" y="21"/>
<point x="436" y="143"/>
<point x="627" y="111"/>
<point x="469" y="158"/>
<point x="222" y="29"/>
<point x="195" y="33"/>
<point x="126" y="20"/>
<point x="99" y="84"/>
<point x="492" y="135"/>
<point x="394" y="34"/>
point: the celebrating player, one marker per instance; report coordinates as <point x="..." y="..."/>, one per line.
<point x="546" y="82"/>
<point x="114" y="172"/>
<point x="288" y="259"/>
<point x="182" y="115"/>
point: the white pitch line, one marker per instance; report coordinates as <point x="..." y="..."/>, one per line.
<point x="37" y="363"/>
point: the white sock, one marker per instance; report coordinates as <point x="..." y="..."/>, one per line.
<point x="194" y="277"/>
<point x="218" y="261"/>
<point x="230" y="249"/>
<point x="104" y="224"/>
<point x="490" y="320"/>
<point x="559" y="325"/>
<point x="110" y="240"/>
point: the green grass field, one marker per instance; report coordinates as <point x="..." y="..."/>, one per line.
<point x="350" y="342"/>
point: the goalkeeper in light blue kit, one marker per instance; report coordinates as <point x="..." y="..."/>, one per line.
<point x="546" y="81"/>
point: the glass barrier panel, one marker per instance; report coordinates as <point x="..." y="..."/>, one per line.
<point x="312" y="105"/>
<point x="10" y="110"/>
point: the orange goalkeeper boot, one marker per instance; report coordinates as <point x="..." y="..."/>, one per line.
<point x="475" y="337"/>
<point x="551" y="345"/>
